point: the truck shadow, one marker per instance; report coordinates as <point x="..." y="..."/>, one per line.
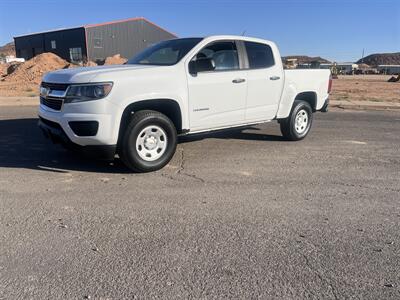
<point x="237" y="134"/>
<point x="22" y="145"/>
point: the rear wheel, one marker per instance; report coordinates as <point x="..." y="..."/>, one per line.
<point x="298" y="124"/>
<point x="149" y="141"/>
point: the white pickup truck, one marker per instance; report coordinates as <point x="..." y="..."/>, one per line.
<point x="176" y="87"/>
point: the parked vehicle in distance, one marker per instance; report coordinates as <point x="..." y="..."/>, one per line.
<point x="176" y="87"/>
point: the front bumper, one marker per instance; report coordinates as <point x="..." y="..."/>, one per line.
<point x="57" y="135"/>
<point x="90" y="127"/>
<point x="101" y="115"/>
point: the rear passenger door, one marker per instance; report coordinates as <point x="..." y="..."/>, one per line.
<point x="264" y="82"/>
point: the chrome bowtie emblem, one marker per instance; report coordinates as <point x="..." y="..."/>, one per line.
<point x="44" y="91"/>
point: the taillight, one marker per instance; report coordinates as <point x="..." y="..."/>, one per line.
<point x="330" y="84"/>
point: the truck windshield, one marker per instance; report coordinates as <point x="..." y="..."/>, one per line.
<point x="165" y="53"/>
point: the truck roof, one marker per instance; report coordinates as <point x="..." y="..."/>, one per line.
<point x="237" y="37"/>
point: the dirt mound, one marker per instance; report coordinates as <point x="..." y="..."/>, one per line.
<point x="33" y="69"/>
<point x="11" y="67"/>
<point x="90" y="64"/>
<point x="8" y="68"/>
<point x="23" y="79"/>
<point x="381" y="59"/>
<point x="3" y="70"/>
<point x="117" y="59"/>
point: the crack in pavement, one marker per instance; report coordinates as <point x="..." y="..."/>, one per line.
<point x="181" y="170"/>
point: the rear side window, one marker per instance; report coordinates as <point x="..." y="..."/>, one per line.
<point x="260" y="55"/>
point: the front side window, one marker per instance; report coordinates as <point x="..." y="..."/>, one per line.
<point x="224" y="55"/>
<point x="166" y="53"/>
<point x="259" y="55"/>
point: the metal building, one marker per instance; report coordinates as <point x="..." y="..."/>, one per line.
<point x="93" y="42"/>
<point x="389" y="69"/>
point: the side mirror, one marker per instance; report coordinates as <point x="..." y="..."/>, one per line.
<point x="201" y="65"/>
<point x="192" y="67"/>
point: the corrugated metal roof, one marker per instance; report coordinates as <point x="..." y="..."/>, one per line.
<point x="128" y="20"/>
<point x="47" y="31"/>
<point x="97" y="25"/>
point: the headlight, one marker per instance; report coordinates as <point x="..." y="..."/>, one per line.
<point x="87" y="92"/>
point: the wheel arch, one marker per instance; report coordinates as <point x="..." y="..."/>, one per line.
<point x="168" y="107"/>
<point x="309" y="97"/>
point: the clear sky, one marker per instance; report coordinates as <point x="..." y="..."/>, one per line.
<point x="334" y="29"/>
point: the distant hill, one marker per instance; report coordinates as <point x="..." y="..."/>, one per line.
<point x="7" y="49"/>
<point x="303" y="59"/>
<point x="381" y="59"/>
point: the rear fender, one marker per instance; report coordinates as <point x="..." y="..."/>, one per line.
<point x="287" y="100"/>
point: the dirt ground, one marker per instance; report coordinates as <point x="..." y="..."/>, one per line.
<point x="373" y="88"/>
<point x="19" y="89"/>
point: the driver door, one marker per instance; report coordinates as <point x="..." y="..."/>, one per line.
<point x="217" y="97"/>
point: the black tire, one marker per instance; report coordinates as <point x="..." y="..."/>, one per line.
<point x="128" y="151"/>
<point x="290" y="129"/>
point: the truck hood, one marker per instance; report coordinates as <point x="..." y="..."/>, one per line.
<point x="86" y="74"/>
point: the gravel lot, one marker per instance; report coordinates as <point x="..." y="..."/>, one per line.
<point x="237" y="215"/>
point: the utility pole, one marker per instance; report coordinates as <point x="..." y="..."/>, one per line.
<point x="362" y="58"/>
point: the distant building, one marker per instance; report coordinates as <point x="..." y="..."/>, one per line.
<point x="93" y="42"/>
<point x="389" y="69"/>
<point x="346" y="67"/>
<point x="325" y="66"/>
<point x="365" y="69"/>
<point x="290" y="63"/>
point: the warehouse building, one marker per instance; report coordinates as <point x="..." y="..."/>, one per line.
<point x="389" y="69"/>
<point x="93" y="42"/>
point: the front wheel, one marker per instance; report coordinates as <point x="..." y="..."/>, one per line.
<point x="298" y="124"/>
<point x="149" y="141"/>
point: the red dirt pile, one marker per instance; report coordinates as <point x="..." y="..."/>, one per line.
<point x="3" y="70"/>
<point x="32" y="70"/>
<point x="117" y="59"/>
<point x="90" y="64"/>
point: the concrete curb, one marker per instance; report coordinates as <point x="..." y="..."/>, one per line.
<point x="365" y="105"/>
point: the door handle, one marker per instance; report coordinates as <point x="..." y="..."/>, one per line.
<point x="238" y="80"/>
<point x="274" y="78"/>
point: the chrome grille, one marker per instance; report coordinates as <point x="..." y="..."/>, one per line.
<point x="55" y="86"/>
<point x="53" y="98"/>
<point x="52" y="102"/>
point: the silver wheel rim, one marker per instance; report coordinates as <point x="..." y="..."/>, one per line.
<point x="301" y="121"/>
<point x="151" y="143"/>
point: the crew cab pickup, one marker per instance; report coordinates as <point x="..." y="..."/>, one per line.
<point x="177" y="87"/>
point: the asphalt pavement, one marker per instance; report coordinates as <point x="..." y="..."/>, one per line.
<point x="237" y="215"/>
